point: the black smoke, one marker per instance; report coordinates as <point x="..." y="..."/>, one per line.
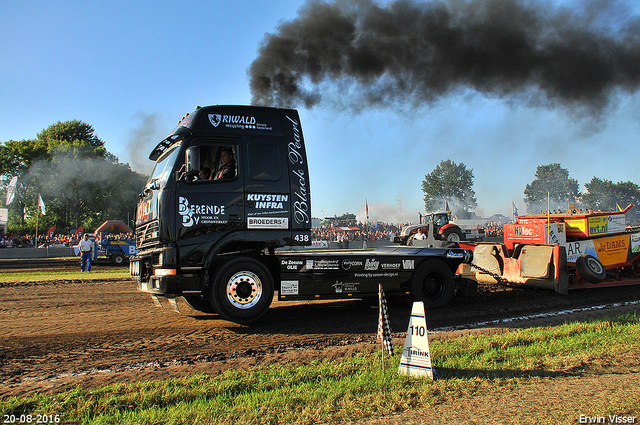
<point x="413" y="53"/>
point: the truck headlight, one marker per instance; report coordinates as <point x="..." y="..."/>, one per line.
<point x="164" y="272"/>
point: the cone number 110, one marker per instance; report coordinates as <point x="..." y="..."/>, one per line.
<point x="418" y="330"/>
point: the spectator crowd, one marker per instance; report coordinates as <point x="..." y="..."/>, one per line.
<point x="352" y="231"/>
<point x="341" y="232"/>
<point x="55" y="241"/>
<point x="346" y="231"/>
<point x="492" y="230"/>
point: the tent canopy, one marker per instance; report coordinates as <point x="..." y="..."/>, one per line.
<point x="109" y="224"/>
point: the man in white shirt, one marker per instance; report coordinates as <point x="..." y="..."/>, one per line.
<point x="86" y="248"/>
<point x="420" y="236"/>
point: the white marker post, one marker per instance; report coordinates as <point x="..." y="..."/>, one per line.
<point x="416" y="357"/>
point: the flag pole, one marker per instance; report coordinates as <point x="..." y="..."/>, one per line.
<point x="366" y="223"/>
<point x="548" y="216"/>
<point x="35" y="244"/>
<point x="41" y="208"/>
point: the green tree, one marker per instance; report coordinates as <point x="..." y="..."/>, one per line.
<point x="81" y="183"/>
<point x="72" y="138"/>
<point x="16" y="157"/>
<point x="552" y="181"/>
<point x="604" y="195"/>
<point x="449" y="183"/>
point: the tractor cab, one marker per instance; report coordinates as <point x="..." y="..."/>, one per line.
<point x="443" y="229"/>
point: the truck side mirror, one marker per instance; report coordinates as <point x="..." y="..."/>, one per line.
<point x="192" y="159"/>
<point x="192" y="162"/>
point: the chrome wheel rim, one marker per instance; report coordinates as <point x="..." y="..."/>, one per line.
<point x="244" y="290"/>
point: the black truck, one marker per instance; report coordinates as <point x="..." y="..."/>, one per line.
<point x="230" y="186"/>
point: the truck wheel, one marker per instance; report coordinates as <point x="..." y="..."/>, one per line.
<point x="432" y="283"/>
<point x="198" y="303"/>
<point x="590" y="268"/>
<point x="242" y="290"/>
<point x="453" y="235"/>
<point x="117" y="259"/>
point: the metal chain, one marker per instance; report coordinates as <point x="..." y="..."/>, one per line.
<point x="499" y="279"/>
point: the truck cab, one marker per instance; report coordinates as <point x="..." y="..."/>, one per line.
<point x="254" y="198"/>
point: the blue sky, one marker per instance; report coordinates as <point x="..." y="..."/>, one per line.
<point x="133" y="69"/>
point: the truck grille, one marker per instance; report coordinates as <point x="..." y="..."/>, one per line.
<point x="147" y="234"/>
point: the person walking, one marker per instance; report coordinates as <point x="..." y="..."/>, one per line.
<point x="86" y="250"/>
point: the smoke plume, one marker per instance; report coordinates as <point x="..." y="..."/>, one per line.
<point x="413" y="53"/>
<point x="141" y="140"/>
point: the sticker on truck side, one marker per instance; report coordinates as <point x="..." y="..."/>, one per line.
<point x="267" y="223"/>
<point x="268" y="202"/>
<point x="193" y="214"/>
<point x="289" y="287"/>
<point x="240" y="122"/>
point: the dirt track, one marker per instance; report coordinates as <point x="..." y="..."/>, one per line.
<point x="63" y="334"/>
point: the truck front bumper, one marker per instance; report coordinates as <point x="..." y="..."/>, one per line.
<point x="166" y="285"/>
<point x="157" y="286"/>
<point x="162" y="281"/>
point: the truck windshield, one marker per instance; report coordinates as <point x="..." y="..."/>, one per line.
<point x="164" y="165"/>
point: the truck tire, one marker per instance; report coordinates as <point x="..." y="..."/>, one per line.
<point x="453" y="235"/>
<point x="590" y="268"/>
<point x="432" y="283"/>
<point x="198" y="303"/>
<point x="242" y="290"/>
<point x="117" y="259"/>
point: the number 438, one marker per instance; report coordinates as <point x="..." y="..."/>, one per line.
<point x="301" y="238"/>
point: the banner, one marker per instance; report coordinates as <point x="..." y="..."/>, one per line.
<point x="11" y="190"/>
<point x="416" y="357"/>
<point x="41" y="205"/>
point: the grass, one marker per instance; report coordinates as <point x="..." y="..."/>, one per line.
<point x="43" y="276"/>
<point x="355" y="387"/>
